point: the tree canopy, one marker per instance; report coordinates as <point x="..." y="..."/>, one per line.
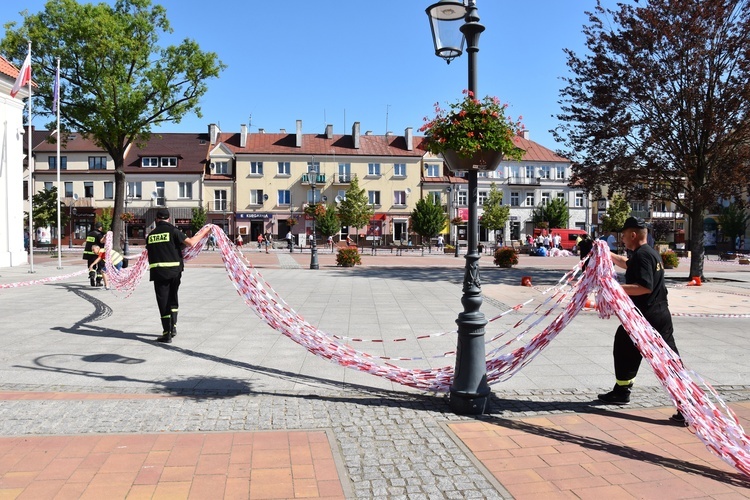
<point x="658" y="107"/>
<point x="428" y="219"/>
<point x="44" y="205"/>
<point x="733" y="221"/>
<point x="616" y="214"/>
<point x="327" y="222"/>
<point x="354" y="209"/>
<point x="116" y="82"/>
<point x="495" y="214"/>
<point x="554" y="214"/>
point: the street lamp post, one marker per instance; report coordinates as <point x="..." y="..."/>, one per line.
<point x="312" y="176"/>
<point x="469" y="391"/>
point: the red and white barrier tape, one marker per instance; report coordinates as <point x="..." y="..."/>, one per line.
<point x="41" y="281"/>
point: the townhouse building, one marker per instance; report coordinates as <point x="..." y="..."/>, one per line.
<point x="166" y="172"/>
<point x="276" y="175"/>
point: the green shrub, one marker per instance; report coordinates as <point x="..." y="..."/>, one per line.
<point x="670" y="259"/>
<point x="348" y="257"/>
<point x="506" y="257"/>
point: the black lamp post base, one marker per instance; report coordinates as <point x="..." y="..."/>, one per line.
<point x="463" y="403"/>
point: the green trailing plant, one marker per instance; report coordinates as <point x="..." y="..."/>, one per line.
<point x="670" y="259"/>
<point x="505" y="257"/>
<point x="348" y="257"/>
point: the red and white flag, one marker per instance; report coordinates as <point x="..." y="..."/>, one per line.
<point x="24" y="76"/>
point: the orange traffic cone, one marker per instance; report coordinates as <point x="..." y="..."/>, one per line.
<point x="697" y="280"/>
<point x="590" y="304"/>
<point x="526" y="281"/>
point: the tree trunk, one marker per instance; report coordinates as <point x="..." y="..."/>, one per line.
<point x="119" y="202"/>
<point x="696" y="244"/>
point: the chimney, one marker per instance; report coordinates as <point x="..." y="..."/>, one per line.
<point x="329" y="131"/>
<point x="368" y="132"/>
<point x="525" y="134"/>
<point x="282" y="130"/>
<point x="243" y="135"/>
<point x="298" y="142"/>
<point x="409" y="138"/>
<point x="261" y="131"/>
<point x="355" y="134"/>
<point x="213" y="133"/>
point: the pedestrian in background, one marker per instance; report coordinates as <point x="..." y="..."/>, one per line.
<point x="94" y="237"/>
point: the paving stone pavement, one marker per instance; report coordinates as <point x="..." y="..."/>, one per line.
<point x="228" y="371"/>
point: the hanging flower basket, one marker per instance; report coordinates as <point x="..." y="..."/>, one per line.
<point x="472" y="134"/>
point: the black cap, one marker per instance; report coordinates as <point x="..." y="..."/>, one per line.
<point x="634" y="223"/>
<point x="98" y="225"/>
<point x="162" y="214"/>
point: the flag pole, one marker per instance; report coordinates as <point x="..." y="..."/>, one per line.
<point x="30" y="160"/>
<point x="56" y="98"/>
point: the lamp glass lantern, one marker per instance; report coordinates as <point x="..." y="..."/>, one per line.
<point x="446" y="17"/>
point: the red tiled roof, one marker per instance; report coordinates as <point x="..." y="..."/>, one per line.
<point x="536" y="152"/>
<point x="319" y="144"/>
<point x="76" y="143"/>
<point x="191" y="150"/>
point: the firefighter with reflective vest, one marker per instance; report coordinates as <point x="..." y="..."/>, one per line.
<point x="94" y="237"/>
<point x="164" y="246"/>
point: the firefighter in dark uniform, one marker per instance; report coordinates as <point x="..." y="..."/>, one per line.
<point x="644" y="283"/>
<point x="94" y="237"/>
<point x="164" y="246"/>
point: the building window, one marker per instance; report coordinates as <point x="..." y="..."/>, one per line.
<point x="109" y="190"/>
<point x="341" y="194"/>
<point x="463" y="198"/>
<point x="68" y="189"/>
<point x="52" y="162"/>
<point x="314" y="165"/>
<point x="256" y="196"/>
<point x="345" y="173"/>
<point x="284" y="197"/>
<point x="399" y="197"/>
<point x="515" y="198"/>
<point x="48" y="186"/>
<point x="97" y="162"/>
<point x="432" y="170"/>
<point x="285" y="168"/>
<point x="169" y="161"/>
<point x="530" y="172"/>
<point x="545" y="197"/>
<point x="149" y="161"/>
<point x="220" y="200"/>
<point x="221" y="167"/>
<point x="579" y="200"/>
<point x="133" y="190"/>
<point x="185" y="190"/>
<point x="482" y="197"/>
<point x="560" y="172"/>
<point x="373" y="169"/>
<point x="544" y="172"/>
<point x="560" y="195"/>
<point x="161" y="198"/>
<point x="88" y="189"/>
<point x="313" y="196"/>
<point x="530" y="200"/>
<point x="373" y="197"/>
<point x="435" y="196"/>
<point x="399" y="169"/>
<point x="256" y="168"/>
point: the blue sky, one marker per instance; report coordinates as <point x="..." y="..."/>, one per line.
<point x="341" y="61"/>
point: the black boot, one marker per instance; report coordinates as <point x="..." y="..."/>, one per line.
<point x="166" y="337"/>
<point x="174" y="323"/>
<point x="619" y="395"/>
<point x="92" y="278"/>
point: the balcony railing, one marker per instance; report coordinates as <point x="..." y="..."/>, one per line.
<point x="342" y="178"/>
<point x="667" y="215"/>
<point x="319" y="179"/>
<point x="524" y="181"/>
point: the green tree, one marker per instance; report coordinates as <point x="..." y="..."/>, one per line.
<point x="327" y="222"/>
<point x="660" y="105"/>
<point x="660" y="229"/>
<point x="428" y="219"/>
<point x="117" y="82"/>
<point x="617" y="212"/>
<point x="354" y="210"/>
<point x="45" y="209"/>
<point x="495" y="213"/>
<point x="105" y="217"/>
<point x="733" y="221"/>
<point x="198" y="220"/>
<point x="554" y="214"/>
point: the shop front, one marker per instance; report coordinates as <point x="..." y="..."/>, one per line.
<point x="252" y="224"/>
